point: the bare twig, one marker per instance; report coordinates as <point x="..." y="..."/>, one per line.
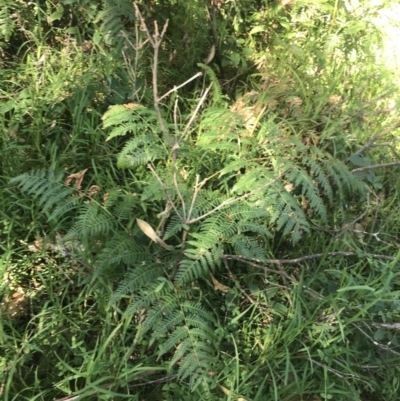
<point x="388" y="143"/>
<point x="132" y="71"/>
<point x="161" y="380"/>
<point x="153" y="171"/>
<point x="375" y="166"/>
<point x="233" y="200"/>
<point x="155" y="41"/>
<point x="176" y="116"/>
<point x="180" y="196"/>
<point x="389" y="326"/>
<point x="335" y="372"/>
<point x="196" y="192"/>
<point x="375" y="138"/>
<point x="202" y="99"/>
<point x="238" y="286"/>
<point x="175" y="88"/>
<point x="381" y="346"/>
<point x="282" y="273"/>
<point x="303" y="259"/>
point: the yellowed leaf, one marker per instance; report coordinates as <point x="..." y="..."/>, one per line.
<point x="229" y="393"/>
<point x="289" y="187"/>
<point x="149" y="232"/>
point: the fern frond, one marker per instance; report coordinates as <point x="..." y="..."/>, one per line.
<point x="288" y="215"/>
<point x="254" y="227"/>
<point x="44" y="185"/>
<point x="300" y="178"/>
<point x="236" y="165"/>
<point x="7" y="23"/>
<point x="253" y="179"/>
<point x="122" y="249"/>
<point x="65" y="206"/>
<point x="192" y="338"/>
<point x="92" y="221"/>
<point x="198" y="262"/>
<point x="247" y="246"/>
<point x="129" y="120"/>
<point x="216" y="87"/>
<point x="146" y="297"/>
<point x="135" y="279"/>
<point x="128" y="159"/>
<point x="156" y="320"/>
<point x="173" y="227"/>
<point x="111" y="16"/>
<point x="319" y="174"/>
<point x="122" y="206"/>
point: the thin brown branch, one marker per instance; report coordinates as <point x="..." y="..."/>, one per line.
<point x="388" y="143"/>
<point x="196" y="192"/>
<point x="153" y="171"/>
<point x="175" y="88"/>
<point x="282" y="273"/>
<point x="375" y="166"/>
<point x="238" y="286"/>
<point x="155" y="41"/>
<point x="233" y="200"/>
<point x="180" y="196"/>
<point x="376" y="137"/>
<point x="334" y="371"/>
<point x="381" y="346"/>
<point x="303" y="259"/>
<point x="132" y="71"/>
<point x="389" y="326"/>
<point x="195" y="113"/>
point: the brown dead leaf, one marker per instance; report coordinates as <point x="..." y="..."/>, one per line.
<point x="218" y="286"/>
<point x="78" y="177"/>
<point x="94" y="189"/>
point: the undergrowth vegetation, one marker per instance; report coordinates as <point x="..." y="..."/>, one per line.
<point x="200" y="202"/>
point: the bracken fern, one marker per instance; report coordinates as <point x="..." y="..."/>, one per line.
<point x="227" y="190"/>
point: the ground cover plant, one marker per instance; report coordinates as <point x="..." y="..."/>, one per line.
<point x="200" y="201"/>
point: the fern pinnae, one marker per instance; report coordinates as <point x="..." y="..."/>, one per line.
<point x="198" y="263"/>
<point x="145" y="298"/>
<point x="216" y="87"/>
<point x="254" y="227"/>
<point x="155" y="316"/>
<point x="64" y="207"/>
<point x="134" y="280"/>
<point x="121" y="249"/>
<point x="91" y="222"/>
<point x="129" y="159"/>
<point x="320" y="176"/>
<point x="247" y="246"/>
<point x="122" y="210"/>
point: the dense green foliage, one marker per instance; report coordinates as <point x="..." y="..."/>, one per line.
<point x="200" y="202"/>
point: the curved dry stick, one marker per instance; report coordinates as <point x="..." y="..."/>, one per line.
<point x="301" y="259"/>
<point x="375" y="138"/>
